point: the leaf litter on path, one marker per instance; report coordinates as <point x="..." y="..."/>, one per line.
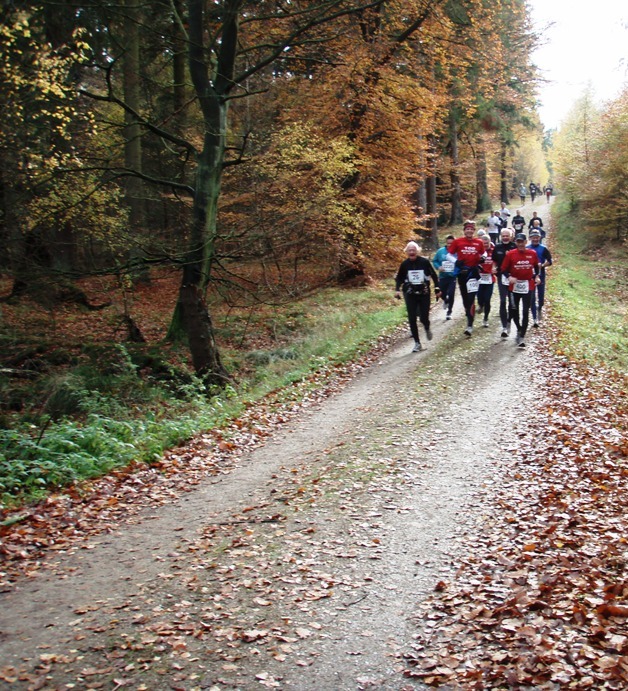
<point x="542" y="601"/>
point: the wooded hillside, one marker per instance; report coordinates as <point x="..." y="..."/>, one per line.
<point x="258" y="150"/>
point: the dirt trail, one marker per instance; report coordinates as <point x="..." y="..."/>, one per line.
<point x="302" y="567"/>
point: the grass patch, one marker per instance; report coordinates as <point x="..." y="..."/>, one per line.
<point x="589" y="293"/>
<point x="112" y="404"/>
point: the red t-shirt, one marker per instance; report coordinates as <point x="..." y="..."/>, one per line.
<point x="520" y="264"/>
<point x="469" y="251"/>
<point x="486" y="267"/>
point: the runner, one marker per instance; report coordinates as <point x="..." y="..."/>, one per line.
<point x="470" y="252"/>
<point x="521" y="266"/>
<point x="487" y="280"/>
<point x="493" y="225"/>
<point x="444" y="262"/>
<point x="518" y="222"/>
<point x="536" y="225"/>
<point x="522" y="193"/>
<point x="532" y="192"/>
<point x="504" y="215"/>
<point x="548" y="189"/>
<point x="414" y="275"/>
<point x="545" y="259"/>
<point x="535" y="217"/>
<point x="503" y="283"/>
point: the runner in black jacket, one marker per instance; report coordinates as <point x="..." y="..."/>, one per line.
<point x="414" y="276"/>
<point x="498" y="257"/>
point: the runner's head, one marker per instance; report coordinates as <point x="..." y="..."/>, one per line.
<point x="412" y="250"/>
<point x="535" y="236"/>
<point x="448" y="240"/>
<point x="486" y="240"/>
<point x="468" y="229"/>
<point x="506" y="235"/>
<point x="520" y="241"/>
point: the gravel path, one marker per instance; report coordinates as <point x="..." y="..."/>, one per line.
<point x="302" y="567"/>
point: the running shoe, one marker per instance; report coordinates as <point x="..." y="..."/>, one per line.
<point x="485" y="323"/>
<point x="417" y="347"/>
<point x="448" y="318"/>
<point x="429" y="334"/>
<point x="504" y="333"/>
<point x="468" y="331"/>
<point x="535" y="324"/>
<point x="522" y="343"/>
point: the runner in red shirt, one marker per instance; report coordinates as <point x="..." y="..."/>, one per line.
<point x="487" y="279"/>
<point x="521" y="265"/>
<point x="469" y="251"/>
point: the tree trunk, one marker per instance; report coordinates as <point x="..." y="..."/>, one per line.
<point x="503" y="174"/>
<point x="431" y="190"/>
<point x="456" y="205"/>
<point x="191" y="314"/>
<point x="482" y="196"/>
<point x="133" y="134"/>
<point x="178" y="66"/>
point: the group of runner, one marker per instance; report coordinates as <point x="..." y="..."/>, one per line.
<point x="476" y="263"/>
<point x="535" y="188"/>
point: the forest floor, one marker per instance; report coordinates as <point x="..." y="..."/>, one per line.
<point x="451" y="517"/>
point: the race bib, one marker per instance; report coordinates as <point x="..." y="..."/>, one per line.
<point x="521" y="287"/>
<point x="505" y="280"/>
<point x="486" y="278"/>
<point x="416" y="276"/>
<point x="472" y="285"/>
<point x="447" y="265"/>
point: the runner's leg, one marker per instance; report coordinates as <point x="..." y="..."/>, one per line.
<point x="412" y="308"/>
<point x="525" y="306"/>
<point x="513" y="309"/>
<point x="504" y="315"/>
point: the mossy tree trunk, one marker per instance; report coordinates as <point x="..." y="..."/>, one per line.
<point x="192" y="318"/>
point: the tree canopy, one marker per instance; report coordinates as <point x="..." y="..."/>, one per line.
<point x="246" y="142"/>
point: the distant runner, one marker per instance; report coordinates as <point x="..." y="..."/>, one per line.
<point x="522" y="193"/>
<point x="518" y="223"/>
<point x="494" y="225"/>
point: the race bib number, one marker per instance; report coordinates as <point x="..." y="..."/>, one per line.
<point x="447" y="265"/>
<point x="486" y="278"/>
<point x="521" y="287"/>
<point x="416" y="276"/>
<point x="505" y="280"/>
<point x="472" y="285"/>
